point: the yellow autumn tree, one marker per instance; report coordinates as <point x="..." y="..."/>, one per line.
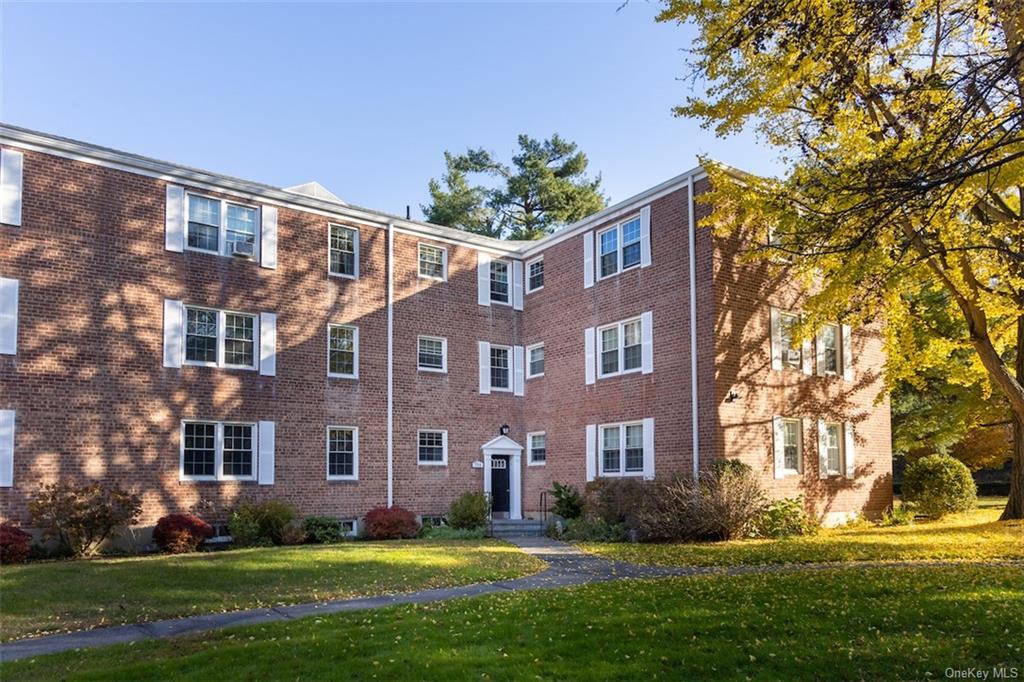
<point x="901" y="124"/>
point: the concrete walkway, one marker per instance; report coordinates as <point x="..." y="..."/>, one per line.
<point x="566" y="566"/>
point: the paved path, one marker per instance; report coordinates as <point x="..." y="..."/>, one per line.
<point x="566" y="566"/>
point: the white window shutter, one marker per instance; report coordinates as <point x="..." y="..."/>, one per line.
<point x="588" y="259"/>
<point x="645" y="236"/>
<point x="517" y="285"/>
<point x="174" y="332"/>
<point x="8" y="316"/>
<point x="485" y="368"/>
<point x="6" y="448"/>
<point x="807" y="356"/>
<point x="649" y="449"/>
<point x="266" y="453"/>
<point x="268" y="237"/>
<point x="12" y="164"/>
<point x="822" y="449"/>
<point x="776" y="336"/>
<point x="779" y="446"/>
<point x="590" y="354"/>
<point x="444" y="264"/>
<point x="847" y="344"/>
<point x="268" y="344"/>
<point x="647" y="342"/>
<point x="483" y="278"/>
<point x="519" y="370"/>
<point x="174" y="215"/>
<point x="849" y="449"/>
<point x="591" y="452"/>
<point x="820" y="354"/>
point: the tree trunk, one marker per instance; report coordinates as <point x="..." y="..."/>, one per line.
<point x="1015" y="505"/>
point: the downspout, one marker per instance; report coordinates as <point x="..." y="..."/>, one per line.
<point x="695" y="421"/>
<point x="390" y="369"/>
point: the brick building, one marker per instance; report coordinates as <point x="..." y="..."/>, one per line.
<point x="193" y="336"/>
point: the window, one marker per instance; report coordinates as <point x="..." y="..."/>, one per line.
<point x="432" y="355"/>
<point x="622" y="450"/>
<point x="500" y="374"/>
<point x="220" y="339"/>
<point x="499" y="281"/>
<point x="621" y="348"/>
<point x="432" y="521"/>
<point x="216" y="222"/>
<point x="342" y="453"/>
<point x="829" y="339"/>
<point x="535" y="275"/>
<point x="218" y="451"/>
<point x="535" y="361"/>
<point x="619" y="247"/>
<point x="792" y="447"/>
<point x="342" y="351"/>
<point x="833" y="449"/>
<point x="344" y="251"/>
<point x="537" y="444"/>
<point x="791" y="357"/>
<point x="433" y="447"/>
<point x="432" y="262"/>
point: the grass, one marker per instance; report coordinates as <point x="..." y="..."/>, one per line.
<point x="72" y="595"/>
<point x="974" y="536"/>
<point x="865" y="623"/>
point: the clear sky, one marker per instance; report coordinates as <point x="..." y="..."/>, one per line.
<point x="363" y="98"/>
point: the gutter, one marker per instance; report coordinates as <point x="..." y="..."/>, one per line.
<point x="391" y="368"/>
<point x="695" y="416"/>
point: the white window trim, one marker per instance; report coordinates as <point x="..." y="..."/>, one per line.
<point x="622" y="450"/>
<point x="530" y="348"/>
<point x="218" y="457"/>
<point x="529" y="447"/>
<point x="444" y="354"/>
<point x="222" y="234"/>
<point x="526" y="276"/>
<point x="841" y="433"/>
<point x="619" y="248"/>
<point x="221" y="339"/>
<point x="511" y="368"/>
<point x="598" y="348"/>
<point x="355" y="352"/>
<point x="355" y="251"/>
<point x="444" y="448"/>
<point x="444" y="262"/>
<point x="839" y="349"/>
<point x="490" y="295"/>
<point x="355" y="453"/>
<point x="786" y="471"/>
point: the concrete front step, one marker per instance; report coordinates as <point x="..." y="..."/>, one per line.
<point x="517" y="527"/>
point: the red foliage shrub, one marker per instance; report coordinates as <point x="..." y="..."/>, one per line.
<point x="391" y="523"/>
<point x="13" y="544"/>
<point x="180" y="533"/>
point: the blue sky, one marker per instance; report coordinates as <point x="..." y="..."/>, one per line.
<point x="363" y="98"/>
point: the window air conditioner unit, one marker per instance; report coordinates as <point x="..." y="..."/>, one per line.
<point x="792" y="356"/>
<point x="242" y="249"/>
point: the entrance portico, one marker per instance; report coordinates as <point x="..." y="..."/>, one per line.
<point x="503" y="483"/>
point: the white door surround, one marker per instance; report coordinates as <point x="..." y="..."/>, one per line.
<point x="503" y="445"/>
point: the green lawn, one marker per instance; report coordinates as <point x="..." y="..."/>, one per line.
<point x="865" y="623"/>
<point x="974" y="536"/>
<point x="72" y="595"/>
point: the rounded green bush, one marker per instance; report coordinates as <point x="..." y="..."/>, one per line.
<point x="938" y="485"/>
<point x="468" y="511"/>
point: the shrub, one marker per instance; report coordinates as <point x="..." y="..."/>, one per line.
<point x="293" y="533"/>
<point x="469" y="511"/>
<point x="323" y="529"/>
<point x="391" y="523"/>
<point x="14" y="544"/>
<point x="722" y="504"/>
<point x="82" y="517"/>
<point x="260" y="524"/>
<point x="568" y="501"/>
<point x="897" y="516"/>
<point x="274" y="516"/>
<point x="595" y="530"/>
<point x="783" y="518"/>
<point x="937" y="485"/>
<point x="449" y="533"/>
<point x="180" y="533"/>
<point x="615" y="500"/>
